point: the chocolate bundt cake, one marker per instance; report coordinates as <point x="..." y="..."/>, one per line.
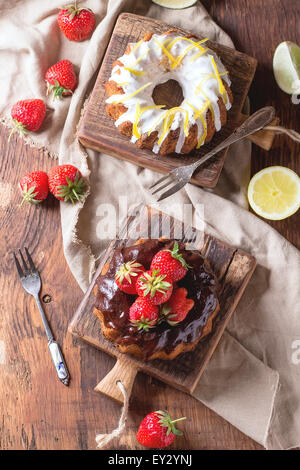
<point x="155" y="60"/>
<point x="177" y="329"/>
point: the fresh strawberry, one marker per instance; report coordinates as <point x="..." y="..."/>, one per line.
<point x="171" y="263"/>
<point x="34" y="187"/>
<point x="143" y="315"/>
<point x="177" y="307"/>
<point x="127" y="275"/>
<point x="66" y="183"/>
<point x="158" y="430"/>
<point x="76" y="23"/>
<point x="154" y="287"/>
<point x="27" y="115"/>
<point x="61" y="79"/>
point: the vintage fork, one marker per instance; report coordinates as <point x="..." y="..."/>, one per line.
<point x="180" y="176"/>
<point x="31" y="281"/>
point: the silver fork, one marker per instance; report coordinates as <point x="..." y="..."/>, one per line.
<point x="180" y="176"/>
<point x="31" y="281"/>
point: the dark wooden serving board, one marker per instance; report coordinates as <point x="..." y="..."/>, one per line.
<point x="97" y="130"/>
<point x="232" y="266"/>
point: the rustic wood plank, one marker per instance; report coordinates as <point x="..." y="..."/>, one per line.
<point x="256" y="28"/>
<point x="68" y="418"/>
<point x="98" y="131"/>
<point x="70" y="421"/>
<point x="233" y="269"/>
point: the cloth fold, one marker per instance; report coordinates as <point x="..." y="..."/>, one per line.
<point x="253" y="377"/>
<point x="222" y="384"/>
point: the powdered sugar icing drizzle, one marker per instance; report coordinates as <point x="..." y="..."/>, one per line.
<point x="197" y="69"/>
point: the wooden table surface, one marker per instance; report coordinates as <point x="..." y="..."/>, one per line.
<point x="36" y="410"/>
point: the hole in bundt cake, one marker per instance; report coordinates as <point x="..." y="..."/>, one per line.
<point x="168" y="93"/>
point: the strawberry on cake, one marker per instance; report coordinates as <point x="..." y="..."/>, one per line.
<point x="156" y="299"/>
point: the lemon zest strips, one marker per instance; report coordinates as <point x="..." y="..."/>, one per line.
<point x="198" y="54"/>
<point x="134" y="93"/>
<point x="165" y="41"/>
<point x="193" y="107"/>
<point x="195" y="44"/>
<point x="218" y="77"/>
<point x="198" y="114"/>
<point x="209" y="105"/>
<point x="168" y="120"/>
<point x="199" y="90"/>
<point x="199" y="86"/>
<point x="165" y="50"/>
<point x="203" y="136"/>
<point x="141" y="57"/>
<point x="138" y="114"/>
<point x="134" y="127"/>
<point x="221" y="86"/>
<point x="179" y="59"/>
<point x="136" y="45"/>
<point x="135" y="72"/>
<point x="157" y="122"/>
<point x="123" y="83"/>
<point x="208" y="76"/>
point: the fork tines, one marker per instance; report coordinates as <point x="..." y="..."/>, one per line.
<point x="25" y="266"/>
<point x="167" y="180"/>
<point x="171" y="182"/>
<point x="159" y="181"/>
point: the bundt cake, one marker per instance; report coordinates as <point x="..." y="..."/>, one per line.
<point x="154" y="60"/>
<point x="156" y="299"/>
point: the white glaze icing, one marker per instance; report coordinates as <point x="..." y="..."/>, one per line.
<point x="149" y="65"/>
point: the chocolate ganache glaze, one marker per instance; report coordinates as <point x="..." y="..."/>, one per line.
<point x="114" y="304"/>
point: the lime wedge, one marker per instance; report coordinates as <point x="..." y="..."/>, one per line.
<point x="175" y="4"/>
<point x="286" y="67"/>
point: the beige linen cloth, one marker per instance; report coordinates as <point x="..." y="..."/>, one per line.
<point x="253" y="378"/>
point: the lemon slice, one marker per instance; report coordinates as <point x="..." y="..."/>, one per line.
<point x="274" y="192"/>
<point x="175" y="4"/>
<point x="286" y="67"/>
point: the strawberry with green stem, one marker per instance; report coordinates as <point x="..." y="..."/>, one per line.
<point x="154" y="286"/>
<point x="61" y="79"/>
<point x="127" y="275"/>
<point x="76" y="23"/>
<point x="34" y="187"/>
<point x="171" y="263"/>
<point x="143" y="315"/>
<point x="158" y="430"/>
<point x="66" y="183"/>
<point x="27" y="116"/>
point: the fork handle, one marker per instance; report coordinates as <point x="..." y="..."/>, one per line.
<point x="254" y="123"/>
<point x="55" y="351"/>
<point x="59" y="362"/>
<point x="44" y="319"/>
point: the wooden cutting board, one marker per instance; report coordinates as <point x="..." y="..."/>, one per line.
<point x="97" y="130"/>
<point x="233" y="268"/>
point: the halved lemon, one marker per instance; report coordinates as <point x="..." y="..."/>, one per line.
<point x="274" y="192"/>
<point x="286" y="67"/>
<point x="175" y="4"/>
